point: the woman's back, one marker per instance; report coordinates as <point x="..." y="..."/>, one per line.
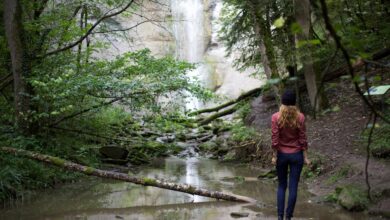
<point x="288" y="139"/>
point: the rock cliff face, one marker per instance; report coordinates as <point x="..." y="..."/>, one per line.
<point x="186" y="29"/>
<point x="149" y="26"/>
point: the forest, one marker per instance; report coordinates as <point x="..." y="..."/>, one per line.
<point x="176" y="97"/>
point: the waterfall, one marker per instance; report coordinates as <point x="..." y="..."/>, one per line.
<point x="188" y="30"/>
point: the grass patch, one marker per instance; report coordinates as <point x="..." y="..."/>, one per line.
<point x="339" y="174"/>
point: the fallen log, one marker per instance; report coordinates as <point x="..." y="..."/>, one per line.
<point x="243" y="96"/>
<point x="185" y="188"/>
<point x="218" y="115"/>
<point x="328" y="77"/>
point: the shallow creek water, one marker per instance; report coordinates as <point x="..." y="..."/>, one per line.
<point x="105" y="199"/>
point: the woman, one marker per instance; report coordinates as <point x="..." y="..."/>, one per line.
<point x="289" y="151"/>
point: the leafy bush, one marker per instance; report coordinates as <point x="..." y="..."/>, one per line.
<point x="380" y="145"/>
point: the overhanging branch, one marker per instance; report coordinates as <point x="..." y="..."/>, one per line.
<point x="106" y="16"/>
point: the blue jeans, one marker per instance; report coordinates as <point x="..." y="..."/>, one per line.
<point x="283" y="162"/>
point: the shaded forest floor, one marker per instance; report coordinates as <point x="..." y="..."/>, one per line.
<point x="337" y="137"/>
<point x="335" y="140"/>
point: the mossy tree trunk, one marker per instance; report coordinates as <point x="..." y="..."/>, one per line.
<point x="125" y="177"/>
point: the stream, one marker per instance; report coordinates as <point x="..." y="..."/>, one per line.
<point x="95" y="198"/>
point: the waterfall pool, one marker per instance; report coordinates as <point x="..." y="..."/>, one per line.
<point x="105" y="199"/>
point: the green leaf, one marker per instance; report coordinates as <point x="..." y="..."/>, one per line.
<point x="358" y="79"/>
<point x="314" y="42"/>
<point x="278" y="23"/>
<point x="295" y="28"/>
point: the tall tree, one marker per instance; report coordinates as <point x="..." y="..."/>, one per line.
<point x="303" y="18"/>
<point x="20" y="62"/>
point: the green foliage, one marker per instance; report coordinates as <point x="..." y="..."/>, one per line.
<point x="134" y="78"/>
<point x="352" y="198"/>
<point x="380" y="145"/>
<point x="244" y="110"/>
<point x="278" y="23"/>
<point x="240" y="132"/>
<point x="19" y="174"/>
<point x="316" y="167"/>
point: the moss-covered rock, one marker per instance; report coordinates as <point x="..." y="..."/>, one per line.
<point x="208" y="146"/>
<point x="270" y="174"/>
<point x="352" y="198"/>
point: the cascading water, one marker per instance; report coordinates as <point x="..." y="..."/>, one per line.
<point x="188" y="29"/>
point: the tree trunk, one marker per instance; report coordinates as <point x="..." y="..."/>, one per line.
<point x="303" y="18"/>
<point x="125" y="177"/>
<point x="19" y="59"/>
<point x="269" y="65"/>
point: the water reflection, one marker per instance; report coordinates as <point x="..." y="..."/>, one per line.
<point x="103" y="199"/>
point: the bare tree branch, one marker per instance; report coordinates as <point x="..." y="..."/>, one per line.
<point x="368" y="157"/>
<point x="84" y="111"/>
<point x="122" y="30"/>
<point x="106" y="16"/>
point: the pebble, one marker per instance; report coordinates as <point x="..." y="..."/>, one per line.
<point x="239" y="214"/>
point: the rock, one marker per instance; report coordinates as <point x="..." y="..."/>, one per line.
<point x="208" y="146"/>
<point x="114" y="152"/>
<point x="270" y="174"/>
<point x="166" y="139"/>
<point x="239" y="214"/>
<point x="352" y="198"/>
<point x="205" y="138"/>
<point x="181" y="137"/>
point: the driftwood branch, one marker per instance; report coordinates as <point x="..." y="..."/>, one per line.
<point x="185" y="188"/>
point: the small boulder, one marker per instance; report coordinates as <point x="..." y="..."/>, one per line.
<point x="352" y="198"/>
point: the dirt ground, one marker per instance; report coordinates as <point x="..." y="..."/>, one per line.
<point x="336" y="137"/>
